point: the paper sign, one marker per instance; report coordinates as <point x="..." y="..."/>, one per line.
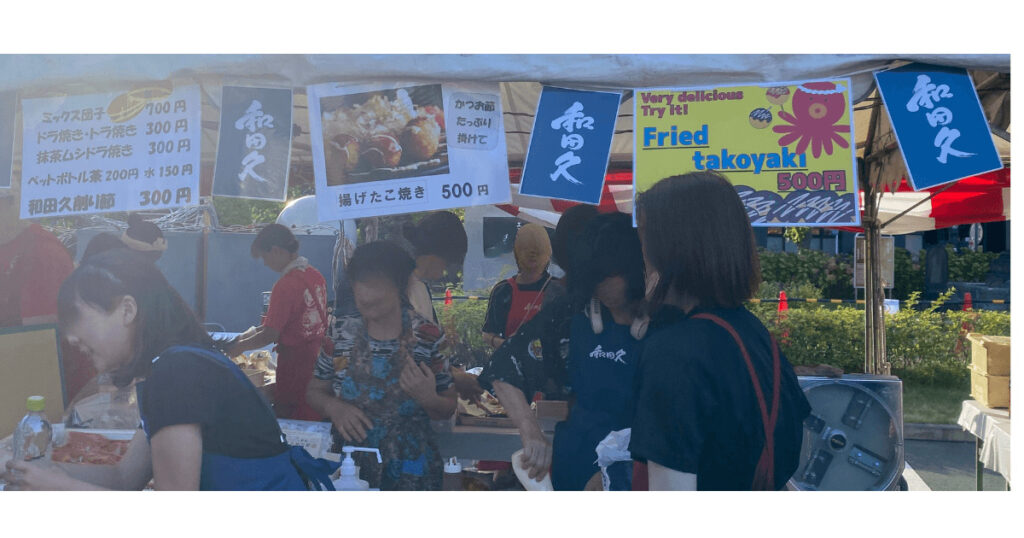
<point x="886" y="249"/>
<point x="403" y="148"/>
<point x="786" y="147"/>
<point x="113" y="152"/>
<point x="31" y="365"/>
<point x="255" y="143"/>
<point x="8" y="100"/>
<point x="939" y="123"/>
<point x="570" y="144"/>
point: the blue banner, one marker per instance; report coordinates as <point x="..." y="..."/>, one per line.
<point x="570" y="144"/>
<point x="939" y="123"/>
<point x="7" y="103"/>
<point x="254" y="148"/>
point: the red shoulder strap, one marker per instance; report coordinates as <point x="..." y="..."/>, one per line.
<point x="764" y="474"/>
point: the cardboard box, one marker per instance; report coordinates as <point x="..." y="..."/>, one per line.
<point x="992" y="391"/>
<point x="990" y="355"/>
<point x="491" y="422"/>
<point x="551" y="412"/>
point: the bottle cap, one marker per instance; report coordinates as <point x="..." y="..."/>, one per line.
<point x="452" y="465"/>
<point x="35" y="403"/>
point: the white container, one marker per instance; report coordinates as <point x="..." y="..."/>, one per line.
<point x="348" y="479"/>
<point x="523" y="475"/>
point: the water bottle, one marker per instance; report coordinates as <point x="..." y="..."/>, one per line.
<point x="33" y="435"/>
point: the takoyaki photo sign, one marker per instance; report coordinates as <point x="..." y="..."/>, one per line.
<point x="403" y="148"/>
<point x="788" y="148"/>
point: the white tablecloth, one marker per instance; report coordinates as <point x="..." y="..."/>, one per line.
<point x="992" y="426"/>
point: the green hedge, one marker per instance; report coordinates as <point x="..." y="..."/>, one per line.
<point x="832" y="275"/>
<point x="926" y="346"/>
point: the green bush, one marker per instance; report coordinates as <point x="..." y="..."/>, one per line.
<point x="969" y="266"/>
<point x="908" y="276"/>
<point x="927" y="346"/>
<point x="832" y="275"/>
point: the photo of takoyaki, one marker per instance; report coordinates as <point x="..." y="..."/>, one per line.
<point x="777" y="95"/>
<point x="760" y="118"/>
<point x="387" y="134"/>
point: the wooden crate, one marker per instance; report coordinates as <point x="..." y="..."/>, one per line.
<point x="992" y="391"/>
<point x="990" y="355"/>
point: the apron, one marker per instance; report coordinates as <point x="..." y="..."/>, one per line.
<point x="602" y="385"/>
<point x="293" y="470"/>
<point x="525" y="305"/>
<point x="295" y="365"/>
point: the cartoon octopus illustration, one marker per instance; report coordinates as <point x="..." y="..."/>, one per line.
<point x="817" y="107"/>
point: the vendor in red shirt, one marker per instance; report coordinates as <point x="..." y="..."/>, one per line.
<point x="296" y="320"/>
<point x="33" y="264"/>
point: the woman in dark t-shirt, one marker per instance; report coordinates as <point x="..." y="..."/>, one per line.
<point x="718" y="406"/>
<point x="208" y="427"/>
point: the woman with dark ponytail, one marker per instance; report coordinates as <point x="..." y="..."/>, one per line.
<point x="207" y="425"/>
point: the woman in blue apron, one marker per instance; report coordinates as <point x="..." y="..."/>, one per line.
<point x="207" y="426"/>
<point x="604" y="347"/>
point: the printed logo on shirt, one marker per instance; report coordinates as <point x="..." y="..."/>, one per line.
<point x="614" y="356"/>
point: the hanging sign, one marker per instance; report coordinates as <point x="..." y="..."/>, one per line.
<point x="113" y="152"/>
<point x="786" y="147"/>
<point x="255" y="143"/>
<point x="939" y="123"/>
<point x="570" y="144"/>
<point x="402" y="148"/>
<point x="8" y="100"/>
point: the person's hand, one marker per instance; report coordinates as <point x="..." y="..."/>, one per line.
<point x="536" y="457"/>
<point x="417" y="380"/>
<point x="467" y="385"/>
<point x="350" y="421"/>
<point x="36" y="476"/>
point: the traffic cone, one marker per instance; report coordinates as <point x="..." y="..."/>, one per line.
<point x="783" y="303"/>
<point x="448" y="297"/>
<point x="967" y="301"/>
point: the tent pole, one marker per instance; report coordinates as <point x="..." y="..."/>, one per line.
<point x="873" y="348"/>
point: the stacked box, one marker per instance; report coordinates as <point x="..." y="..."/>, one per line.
<point x="990" y="370"/>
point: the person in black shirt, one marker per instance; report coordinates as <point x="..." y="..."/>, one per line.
<point x="515" y="300"/>
<point x="208" y="427"/>
<point x="718" y="406"/>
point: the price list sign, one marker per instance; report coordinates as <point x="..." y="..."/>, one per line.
<point x="403" y="148"/>
<point x="114" y="152"/>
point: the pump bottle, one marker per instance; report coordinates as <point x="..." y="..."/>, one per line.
<point x="349" y="478"/>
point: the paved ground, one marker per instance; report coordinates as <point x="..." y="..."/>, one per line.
<point x="948" y="465"/>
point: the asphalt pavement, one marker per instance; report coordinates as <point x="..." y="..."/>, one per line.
<point x="948" y="465"/>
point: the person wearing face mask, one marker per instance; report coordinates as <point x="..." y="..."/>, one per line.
<point x="515" y="301"/>
<point x="296" y="320"/>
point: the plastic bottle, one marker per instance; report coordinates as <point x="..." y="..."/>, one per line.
<point x="34" y="434"/>
<point x="349" y="480"/>
<point x="452" y="475"/>
<point x="531" y="484"/>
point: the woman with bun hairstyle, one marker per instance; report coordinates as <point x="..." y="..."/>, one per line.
<point x="718" y="406"/>
<point x="144" y="236"/>
<point x="208" y="427"/>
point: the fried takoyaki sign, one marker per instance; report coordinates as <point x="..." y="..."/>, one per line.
<point x="788" y="148"/>
<point x="402" y="148"/>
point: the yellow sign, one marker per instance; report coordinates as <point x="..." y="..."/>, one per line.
<point x="788" y="148"/>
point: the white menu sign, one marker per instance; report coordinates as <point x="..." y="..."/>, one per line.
<point x="113" y="152"/>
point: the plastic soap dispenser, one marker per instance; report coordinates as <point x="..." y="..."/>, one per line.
<point x="349" y="478"/>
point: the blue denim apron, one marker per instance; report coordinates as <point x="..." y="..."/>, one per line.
<point x="292" y="470"/>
